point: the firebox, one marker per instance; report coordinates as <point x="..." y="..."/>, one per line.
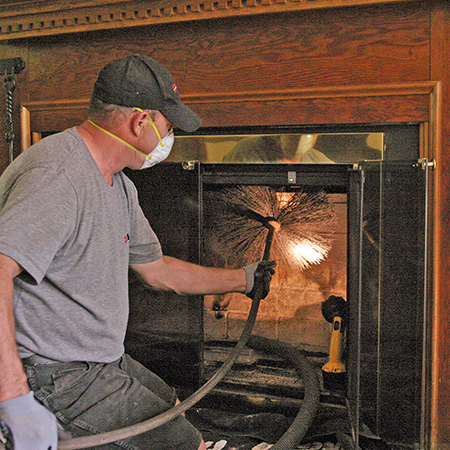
<point x="363" y="237"/>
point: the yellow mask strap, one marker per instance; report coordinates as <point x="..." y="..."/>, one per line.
<point x="161" y="143"/>
<point x="117" y="138"/>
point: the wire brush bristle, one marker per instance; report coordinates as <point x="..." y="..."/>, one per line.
<point x="237" y="218"/>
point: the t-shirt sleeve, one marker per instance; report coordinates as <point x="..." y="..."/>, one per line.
<point x="36" y="219"/>
<point x="144" y="244"/>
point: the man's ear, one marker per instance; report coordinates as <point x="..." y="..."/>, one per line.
<point x="137" y="122"/>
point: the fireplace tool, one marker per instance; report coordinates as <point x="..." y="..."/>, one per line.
<point x="335" y="311"/>
<point x="10" y="67"/>
<point x="267" y="225"/>
<point x="237" y="219"/>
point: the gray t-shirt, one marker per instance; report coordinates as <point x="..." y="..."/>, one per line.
<point x="74" y="236"/>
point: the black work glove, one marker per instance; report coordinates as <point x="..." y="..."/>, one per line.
<point x="259" y="274"/>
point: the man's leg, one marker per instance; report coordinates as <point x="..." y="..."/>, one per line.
<point x="92" y="398"/>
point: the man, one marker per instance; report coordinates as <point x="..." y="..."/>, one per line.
<point x="70" y="227"/>
<point x="287" y="148"/>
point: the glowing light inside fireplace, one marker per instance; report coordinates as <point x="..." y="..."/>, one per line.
<point x="307" y="252"/>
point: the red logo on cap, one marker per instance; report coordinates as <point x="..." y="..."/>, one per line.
<point x="174" y="86"/>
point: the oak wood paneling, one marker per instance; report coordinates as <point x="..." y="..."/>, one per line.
<point x="232" y="69"/>
<point x="303" y="49"/>
<point x="317" y="111"/>
<point x="399" y="103"/>
<point x="31" y="18"/>
<point x="440" y="409"/>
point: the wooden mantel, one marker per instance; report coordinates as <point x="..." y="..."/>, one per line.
<point x="32" y="18"/>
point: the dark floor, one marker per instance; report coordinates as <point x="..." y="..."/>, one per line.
<point x="256" y="403"/>
<point x="225" y="431"/>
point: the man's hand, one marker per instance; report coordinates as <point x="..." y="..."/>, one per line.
<point x="33" y="427"/>
<point x="259" y="274"/>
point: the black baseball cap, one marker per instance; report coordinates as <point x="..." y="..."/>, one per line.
<point x="139" y="81"/>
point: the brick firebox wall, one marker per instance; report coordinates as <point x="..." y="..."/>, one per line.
<point x="292" y="311"/>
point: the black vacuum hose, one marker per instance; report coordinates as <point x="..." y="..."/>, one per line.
<point x="154" y="422"/>
<point x="292" y="436"/>
<point x="299" y="427"/>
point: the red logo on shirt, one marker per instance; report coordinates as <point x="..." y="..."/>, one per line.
<point x="127" y="238"/>
<point x="174" y="87"/>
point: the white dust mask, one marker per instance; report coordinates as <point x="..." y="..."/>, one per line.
<point x="160" y="152"/>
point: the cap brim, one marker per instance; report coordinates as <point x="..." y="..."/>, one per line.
<point x="182" y="117"/>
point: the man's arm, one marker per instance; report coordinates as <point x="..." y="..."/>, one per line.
<point x="13" y="382"/>
<point x="171" y="274"/>
<point x="31" y="424"/>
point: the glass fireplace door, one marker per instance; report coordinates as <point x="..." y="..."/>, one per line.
<point x="165" y="330"/>
<point x="387" y="295"/>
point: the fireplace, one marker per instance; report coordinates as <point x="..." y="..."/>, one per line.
<point x="376" y="261"/>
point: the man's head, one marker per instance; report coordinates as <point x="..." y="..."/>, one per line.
<point x="139" y="81"/>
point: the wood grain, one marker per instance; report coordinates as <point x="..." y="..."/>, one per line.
<point x="31" y="18"/>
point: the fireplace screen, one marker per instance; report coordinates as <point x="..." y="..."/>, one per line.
<point x="192" y="210"/>
<point x="387" y="286"/>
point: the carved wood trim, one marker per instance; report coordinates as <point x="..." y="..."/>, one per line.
<point x="64" y="113"/>
<point x="421" y="88"/>
<point x="398" y="89"/>
<point x="33" y="18"/>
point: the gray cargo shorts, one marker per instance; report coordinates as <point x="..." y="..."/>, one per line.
<point x="91" y="398"/>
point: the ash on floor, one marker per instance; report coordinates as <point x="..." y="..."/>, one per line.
<point x="232" y="431"/>
<point x="222" y="445"/>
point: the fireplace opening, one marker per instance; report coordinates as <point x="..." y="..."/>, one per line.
<point x="368" y="260"/>
<point x="311" y="253"/>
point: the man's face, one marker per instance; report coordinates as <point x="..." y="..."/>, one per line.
<point x="155" y="129"/>
<point x="289" y="143"/>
